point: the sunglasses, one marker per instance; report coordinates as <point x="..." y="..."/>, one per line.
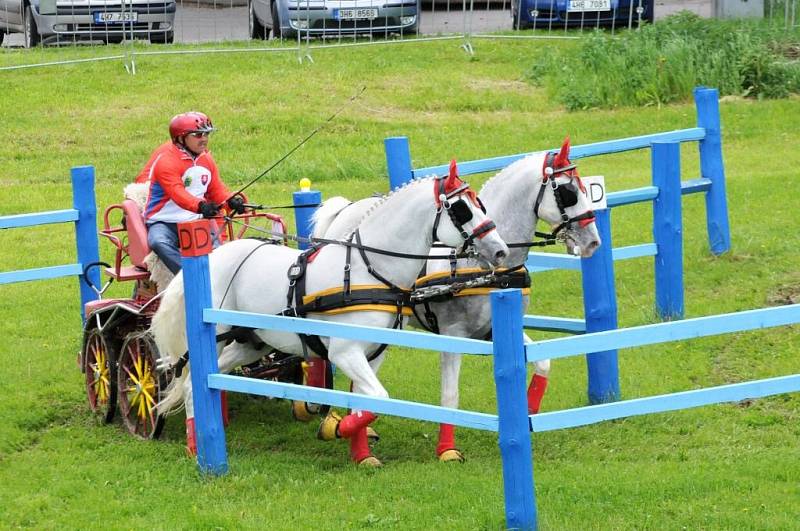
<point x="199" y="134"/>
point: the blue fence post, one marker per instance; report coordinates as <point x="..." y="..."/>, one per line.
<point x="512" y="409"/>
<point x="83" y="200"/>
<point x="308" y="200"/>
<point x="600" y="311"/>
<point x="713" y="168"/>
<point x="398" y="161"/>
<point x="195" y="241"/>
<point x="667" y="229"/>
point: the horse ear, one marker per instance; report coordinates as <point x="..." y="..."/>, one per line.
<point x="453" y="169"/>
<point x="562" y="159"/>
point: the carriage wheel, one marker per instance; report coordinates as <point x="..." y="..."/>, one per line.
<point x="140" y="386"/>
<point x="101" y="377"/>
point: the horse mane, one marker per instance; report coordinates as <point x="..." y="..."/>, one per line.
<point x="386" y="197"/>
<point x="493" y="181"/>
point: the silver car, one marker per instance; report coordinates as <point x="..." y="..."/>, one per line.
<point x="330" y="18"/>
<point x="98" y="20"/>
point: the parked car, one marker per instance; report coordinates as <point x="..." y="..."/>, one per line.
<point x="98" y="20"/>
<point x="321" y="18"/>
<point x="575" y="13"/>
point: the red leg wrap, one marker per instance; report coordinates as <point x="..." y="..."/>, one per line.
<point x="354" y="422"/>
<point x="359" y="446"/>
<point x="191" y="438"/>
<point x="223" y="400"/>
<point x="447" y="439"/>
<point x="536" y="392"/>
<point x="317" y="371"/>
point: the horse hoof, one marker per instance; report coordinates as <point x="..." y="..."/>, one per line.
<point x="372" y="435"/>
<point x="370" y="461"/>
<point x="300" y="411"/>
<point x="453" y="454"/>
<point x="328" y="425"/>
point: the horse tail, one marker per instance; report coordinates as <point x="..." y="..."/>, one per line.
<point x="169" y="332"/>
<point x="326" y="213"/>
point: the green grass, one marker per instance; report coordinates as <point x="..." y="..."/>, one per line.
<point x="721" y="467"/>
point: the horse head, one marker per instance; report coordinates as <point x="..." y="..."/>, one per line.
<point x="563" y="202"/>
<point x="465" y="223"/>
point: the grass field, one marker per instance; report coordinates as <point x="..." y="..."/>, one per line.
<point x="722" y="467"/>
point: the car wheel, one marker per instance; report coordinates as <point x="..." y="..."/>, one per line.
<point x="278" y="29"/>
<point x="168" y="37"/>
<point x="257" y="29"/>
<point x="30" y="31"/>
<point x="517" y="24"/>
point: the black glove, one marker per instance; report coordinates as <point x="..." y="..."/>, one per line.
<point x="236" y="204"/>
<point x="209" y="210"/>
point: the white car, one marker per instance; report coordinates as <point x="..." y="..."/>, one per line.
<point x="96" y="20"/>
<point x="331" y="18"/>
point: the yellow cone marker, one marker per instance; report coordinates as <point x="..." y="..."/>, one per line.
<point x="305" y="184"/>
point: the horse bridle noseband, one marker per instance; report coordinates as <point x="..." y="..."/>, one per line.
<point x="550" y="174"/>
<point x="459" y="213"/>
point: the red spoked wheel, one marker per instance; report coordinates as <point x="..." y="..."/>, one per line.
<point x="140" y="386"/>
<point x="101" y="376"/>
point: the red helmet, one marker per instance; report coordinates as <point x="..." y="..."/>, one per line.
<point x="189" y="122"/>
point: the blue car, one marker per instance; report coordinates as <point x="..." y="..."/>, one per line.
<point x="580" y="13"/>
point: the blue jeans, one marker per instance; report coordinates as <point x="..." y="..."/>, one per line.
<point x="162" y="238"/>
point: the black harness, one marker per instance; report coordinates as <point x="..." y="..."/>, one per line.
<point x="295" y="307"/>
<point x="516" y="277"/>
<point x="565" y="196"/>
<point x="392" y="295"/>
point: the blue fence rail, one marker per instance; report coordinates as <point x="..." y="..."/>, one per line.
<point x="84" y="215"/>
<point x="510" y="356"/>
<point x="599" y="293"/>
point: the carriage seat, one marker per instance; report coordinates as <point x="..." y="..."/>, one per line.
<point x="136" y="246"/>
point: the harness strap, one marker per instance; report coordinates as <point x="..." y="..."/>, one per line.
<point x="346" y="281"/>
<point x="294" y="302"/>
<point x="431" y="322"/>
<point x="240" y="334"/>
<point x="517" y="277"/>
<point x="360" y="296"/>
<point x="371" y="270"/>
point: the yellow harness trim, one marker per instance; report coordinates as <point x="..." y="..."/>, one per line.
<point x="367" y="307"/>
<point x="356" y="307"/>
<point x="466" y="271"/>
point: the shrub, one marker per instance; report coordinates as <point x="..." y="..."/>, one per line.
<point x="661" y="63"/>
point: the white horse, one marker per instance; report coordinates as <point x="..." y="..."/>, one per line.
<point x="539" y="186"/>
<point x="250" y="276"/>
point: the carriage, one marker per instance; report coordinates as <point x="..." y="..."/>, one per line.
<point x="122" y="367"/>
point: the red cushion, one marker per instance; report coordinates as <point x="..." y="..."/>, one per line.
<point x="137" y="233"/>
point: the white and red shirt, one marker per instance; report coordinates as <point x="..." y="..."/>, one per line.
<point x="179" y="182"/>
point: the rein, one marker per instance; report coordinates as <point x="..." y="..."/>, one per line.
<point x="319" y="242"/>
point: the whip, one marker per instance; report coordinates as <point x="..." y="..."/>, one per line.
<point x="306" y="139"/>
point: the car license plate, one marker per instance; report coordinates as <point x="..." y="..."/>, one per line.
<point x="363" y="13"/>
<point x="115" y="18"/>
<point x="589" y="5"/>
